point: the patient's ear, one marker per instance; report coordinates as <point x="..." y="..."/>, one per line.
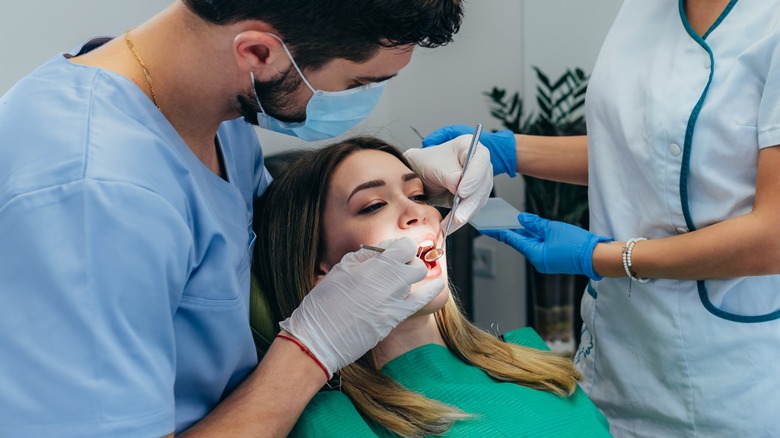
<point x="320" y="271"/>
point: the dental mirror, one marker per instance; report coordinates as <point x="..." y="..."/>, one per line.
<point x="433" y="255"/>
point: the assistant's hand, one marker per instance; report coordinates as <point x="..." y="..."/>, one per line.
<point x="501" y="145"/>
<point x="552" y="247"/>
<point x="359" y="301"/>
<point x="440" y="169"/>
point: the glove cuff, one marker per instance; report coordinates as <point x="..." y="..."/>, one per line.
<point x="503" y="153"/>
<point x="328" y="363"/>
<point x="328" y="375"/>
<point x="587" y="256"/>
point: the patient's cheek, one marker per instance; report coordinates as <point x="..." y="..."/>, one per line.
<point x="436" y="304"/>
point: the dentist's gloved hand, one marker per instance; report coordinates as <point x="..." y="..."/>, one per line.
<point x="501" y="144"/>
<point x="440" y="168"/>
<point x="360" y="301"/>
<point x="552" y="247"/>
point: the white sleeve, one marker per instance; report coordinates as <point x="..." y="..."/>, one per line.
<point x="769" y="109"/>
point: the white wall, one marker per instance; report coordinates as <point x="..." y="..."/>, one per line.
<point x="32" y="31"/>
<point x="499" y="42"/>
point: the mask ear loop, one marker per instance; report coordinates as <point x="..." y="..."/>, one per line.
<point x="294" y="64"/>
<point x="254" y="91"/>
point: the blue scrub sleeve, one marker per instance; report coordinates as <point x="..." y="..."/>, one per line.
<point x="263" y="179"/>
<point x="91" y="277"/>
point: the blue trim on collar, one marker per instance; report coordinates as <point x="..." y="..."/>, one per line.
<point x="687" y="146"/>
<point x="686" y="162"/>
<point x="726" y="10"/>
<point x="720" y="19"/>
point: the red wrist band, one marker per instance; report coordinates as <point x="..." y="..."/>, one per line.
<point x="306" y="350"/>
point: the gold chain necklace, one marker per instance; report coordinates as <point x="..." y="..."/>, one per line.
<point x="143" y="66"/>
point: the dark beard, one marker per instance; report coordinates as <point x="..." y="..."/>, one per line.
<point x="276" y="96"/>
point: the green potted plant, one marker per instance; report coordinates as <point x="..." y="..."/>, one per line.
<point x="553" y="298"/>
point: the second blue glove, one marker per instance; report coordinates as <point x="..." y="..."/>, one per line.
<point x="552" y="247"/>
<point x="501" y="144"/>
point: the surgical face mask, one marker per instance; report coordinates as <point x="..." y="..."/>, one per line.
<point x="328" y="113"/>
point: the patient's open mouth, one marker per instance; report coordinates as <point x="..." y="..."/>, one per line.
<point x="425" y="247"/>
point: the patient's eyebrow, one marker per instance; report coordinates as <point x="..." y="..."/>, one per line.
<point x="379" y="183"/>
<point x="410" y="176"/>
<point x="366" y="185"/>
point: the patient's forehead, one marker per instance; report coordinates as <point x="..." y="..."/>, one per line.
<point x="363" y="166"/>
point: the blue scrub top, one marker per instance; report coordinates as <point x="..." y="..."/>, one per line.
<point x="124" y="260"/>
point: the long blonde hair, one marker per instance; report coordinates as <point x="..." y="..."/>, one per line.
<point x="290" y="244"/>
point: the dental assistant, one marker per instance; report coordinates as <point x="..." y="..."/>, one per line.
<point x="126" y="194"/>
<point x="681" y="334"/>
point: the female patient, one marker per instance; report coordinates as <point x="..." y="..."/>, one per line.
<point x="435" y="373"/>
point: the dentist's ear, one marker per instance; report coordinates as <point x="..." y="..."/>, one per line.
<point x="261" y="53"/>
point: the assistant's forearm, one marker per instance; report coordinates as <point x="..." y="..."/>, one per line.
<point x="745" y="245"/>
<point x="270" y="400"/>
<point x="738" y="247"/>
<point x="562" y="159"/>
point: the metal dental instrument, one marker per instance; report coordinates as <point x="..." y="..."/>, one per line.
<point x="436" y="253"/>
<point x="372" y="248"/>
<point x="378" y="249"/>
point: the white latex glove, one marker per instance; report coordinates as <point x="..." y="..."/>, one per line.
<point x="360" y="301"/>
<point x="440" y="167"/>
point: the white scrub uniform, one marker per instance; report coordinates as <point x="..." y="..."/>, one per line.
<point x="675" y="125"/>
<point x="124" y="261"/>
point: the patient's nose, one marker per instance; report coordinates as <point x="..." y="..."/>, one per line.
<point x="414" y="214"/>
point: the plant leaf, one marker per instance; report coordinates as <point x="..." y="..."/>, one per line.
<point x="542" y="77"/>
<point x="565" y="77"/>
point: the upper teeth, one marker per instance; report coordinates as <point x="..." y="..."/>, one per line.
<point x="426" y="243"/>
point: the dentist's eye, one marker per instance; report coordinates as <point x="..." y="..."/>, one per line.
<point x="357" y="85"/>
<point x="372" y="208"/>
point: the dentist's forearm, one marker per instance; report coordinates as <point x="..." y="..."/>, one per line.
<point x="270" y="400"/>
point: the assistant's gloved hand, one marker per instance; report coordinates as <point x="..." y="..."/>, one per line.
<point x="552" y="247"/>
<point x="440" y="170"/>
<point x="359" y="301"/>
<point x="501" y="144"/>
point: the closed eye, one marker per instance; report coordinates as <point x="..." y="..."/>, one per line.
<point x="422" y="198"/>
<point x="372" y="208"/>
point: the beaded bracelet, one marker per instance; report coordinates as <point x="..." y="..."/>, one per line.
<point x="627" y="249"/>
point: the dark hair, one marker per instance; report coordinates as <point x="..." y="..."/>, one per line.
<point x="317" y="31"/>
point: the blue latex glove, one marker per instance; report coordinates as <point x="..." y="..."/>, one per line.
<point x="501" y="144"/>
<point x="552" y="247"/>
